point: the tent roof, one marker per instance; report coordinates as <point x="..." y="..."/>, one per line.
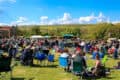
<point x="47" y="36"/>
<point x="68" y="35"/>
<point x="36" y="36"/>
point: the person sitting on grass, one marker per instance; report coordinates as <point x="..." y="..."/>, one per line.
<point x="95" y="52"/>
<point x="97" y="71"/>
<point x="98" y="64"/>
<point x="111" y="51"/>
<point x="115" y="54"/>
<point x="84" y="56"/>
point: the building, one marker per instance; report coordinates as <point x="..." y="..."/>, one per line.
<point x="5" y="31"/>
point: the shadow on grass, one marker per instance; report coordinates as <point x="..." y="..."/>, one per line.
<point x="18" y="79"/>
<point x="22" y="78"/>
<point x="45" y="66"/>
<point x="109" y="78"/>
<point x="101" y="78"/>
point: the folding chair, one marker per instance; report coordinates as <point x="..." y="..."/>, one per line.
<point x="78" y="69"/>
<point x="50" y="58"/>
<point x="5" y="66"/>
<point x="40" y="56"/>
<point x="63" y="62"/>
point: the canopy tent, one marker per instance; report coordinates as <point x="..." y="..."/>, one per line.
<point x="111" y="39"/>
<point x="47" y="36"/>
<point x="36" y="37"/>
<point x="68" y="36"/>
<point x="119" y="40"/>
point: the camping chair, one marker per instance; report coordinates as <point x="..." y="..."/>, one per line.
<point x="5" y="66"/>
<point x="63" y="62"/>
<point x="78" y="69"/>
<point x="50" y="58"/>
<point x="40" y="56"/>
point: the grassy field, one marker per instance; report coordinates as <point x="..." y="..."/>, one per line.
<point x="56" y="73"/>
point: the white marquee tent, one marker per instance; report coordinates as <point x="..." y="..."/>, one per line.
<point x="36" y="37"/>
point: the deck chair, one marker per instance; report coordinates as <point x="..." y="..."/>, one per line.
<point x="50" y="58"/>
<point x="5" y="66"/>
<point x="78" y="68"/>
<point x="40" y="57"/>
<point x="63" y="62"/>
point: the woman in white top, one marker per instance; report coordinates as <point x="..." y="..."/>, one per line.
<point x="65" y="53"/>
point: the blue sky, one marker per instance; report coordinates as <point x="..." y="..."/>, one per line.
<point x="59" y="11"/>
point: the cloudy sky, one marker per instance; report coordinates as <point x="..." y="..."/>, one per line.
<point x="49" y="12"/>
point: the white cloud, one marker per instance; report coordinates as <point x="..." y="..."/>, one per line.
<point x="52" y="22"/>
<point x="29" y="23"/>
<point x="44" y="20"/>
<point x="65" y="19"/>
<point x="101" y="17"/>
<point x="3" y="24"/>
<point x="115" y="22"/>
<point x="94" y="19"/>
<point x="20" y="20"/>
<point x="87" y="19"/>
<point x="23" y="21"/>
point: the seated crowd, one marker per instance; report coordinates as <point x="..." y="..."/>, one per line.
<point x="29" y="49"/>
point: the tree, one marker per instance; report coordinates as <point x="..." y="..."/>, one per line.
<point x="36" y="30"/>
<point x="102" y="32"/>
<point x="76" y="32"/>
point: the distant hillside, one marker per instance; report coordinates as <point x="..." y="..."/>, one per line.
<point x="86" y="31"/>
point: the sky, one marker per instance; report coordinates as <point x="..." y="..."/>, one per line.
<point x="51" y="12"/>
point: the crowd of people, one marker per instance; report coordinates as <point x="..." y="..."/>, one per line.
<point x="75" y="49"/>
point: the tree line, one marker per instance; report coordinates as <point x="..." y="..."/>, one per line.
<point x="85" y="31"/>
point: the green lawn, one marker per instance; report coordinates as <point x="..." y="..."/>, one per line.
<point x="57" y="73"/>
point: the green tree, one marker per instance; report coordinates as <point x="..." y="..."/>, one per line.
<point x="36" y="30"/>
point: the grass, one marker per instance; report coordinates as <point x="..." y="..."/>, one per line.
<point x="56" y="73"/>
